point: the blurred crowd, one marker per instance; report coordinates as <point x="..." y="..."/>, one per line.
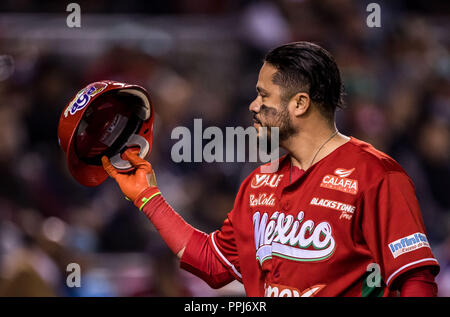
<point x="198" y="59"/>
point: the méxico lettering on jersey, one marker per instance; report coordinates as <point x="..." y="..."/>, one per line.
<point x="291" y="237"/>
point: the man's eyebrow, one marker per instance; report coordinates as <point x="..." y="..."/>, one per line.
<point x="261" y="90"/>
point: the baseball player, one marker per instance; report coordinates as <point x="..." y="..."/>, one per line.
<point x="337" y="218"/>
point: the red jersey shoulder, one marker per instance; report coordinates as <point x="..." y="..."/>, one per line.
<point x="371" y="164"/>
<point x="375" y="159"/>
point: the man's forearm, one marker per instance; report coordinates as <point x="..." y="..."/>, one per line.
<point x="171" y="226"/>
<point x="199" y="259"/>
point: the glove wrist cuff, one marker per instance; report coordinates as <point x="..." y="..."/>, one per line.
<point x="144" y="197"/>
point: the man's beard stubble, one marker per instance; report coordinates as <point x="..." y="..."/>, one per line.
<point x="274" y="118"/>
<point x="281" y="120"/>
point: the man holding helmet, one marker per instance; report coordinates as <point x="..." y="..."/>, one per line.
<point x="340" y="205"/>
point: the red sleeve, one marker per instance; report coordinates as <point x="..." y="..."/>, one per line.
<point x="417" y="283"/>
<point x="203" y="255"/>
<point x="215" y="257"/>
<point x="199" y="259"/>
<point x="224" y="246"/>
<point x="212" y="257"/>
<point x="393" y="228"/>
<point x="170" y="225"/>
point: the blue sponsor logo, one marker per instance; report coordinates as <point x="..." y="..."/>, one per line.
<point x="83" y="97"/>
<point x="409" y="243"/>
<point x="82" y="101"/>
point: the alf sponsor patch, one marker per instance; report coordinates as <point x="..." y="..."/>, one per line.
<point x="409" y="243"/>
<point x="261" y="180"/>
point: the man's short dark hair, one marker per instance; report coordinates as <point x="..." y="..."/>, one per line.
<point x="307" y="67"/>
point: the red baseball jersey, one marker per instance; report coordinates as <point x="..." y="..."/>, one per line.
<point x="348" y="226"/>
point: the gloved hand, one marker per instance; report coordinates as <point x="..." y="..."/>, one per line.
<point x="139" y="185"/>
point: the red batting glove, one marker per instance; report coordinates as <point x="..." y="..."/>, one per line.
<point x="139" y="185"/>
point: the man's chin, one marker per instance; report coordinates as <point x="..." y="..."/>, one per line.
<point x="261" y="130"/>
<point x="258" y="128"/>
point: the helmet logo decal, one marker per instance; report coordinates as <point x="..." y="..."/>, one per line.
<point x="83" y="97"/>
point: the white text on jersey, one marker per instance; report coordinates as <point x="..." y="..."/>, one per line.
<point x="262" y="200"/>
<point x="271" y="180"/>
<point x="283" y="236"/>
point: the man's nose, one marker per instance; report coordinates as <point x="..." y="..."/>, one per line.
<point x="255" y="105"/>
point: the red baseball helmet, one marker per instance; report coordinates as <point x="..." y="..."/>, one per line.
<point x="105" y="118"/>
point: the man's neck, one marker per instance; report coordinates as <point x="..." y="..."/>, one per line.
<point x="310" y="146"/>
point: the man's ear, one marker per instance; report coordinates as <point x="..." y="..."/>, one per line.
<point x="300" y="103"/>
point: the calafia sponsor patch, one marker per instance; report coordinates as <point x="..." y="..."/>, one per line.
<point x="340" y="181"/>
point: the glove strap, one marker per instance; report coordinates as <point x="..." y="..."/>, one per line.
<point x="146" y="196"/>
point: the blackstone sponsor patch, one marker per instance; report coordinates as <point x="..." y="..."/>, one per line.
<point x="336" y="205"/>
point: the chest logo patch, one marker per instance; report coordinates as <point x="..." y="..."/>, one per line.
<point x="346" y="209"/>
<point x="291" y="237"/>
<point x="271" y="180"/>
<point x="262" y="200"/>
<point x="340" y="182"/>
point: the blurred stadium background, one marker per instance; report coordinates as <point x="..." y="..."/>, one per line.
<point x="198" y="59"/>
